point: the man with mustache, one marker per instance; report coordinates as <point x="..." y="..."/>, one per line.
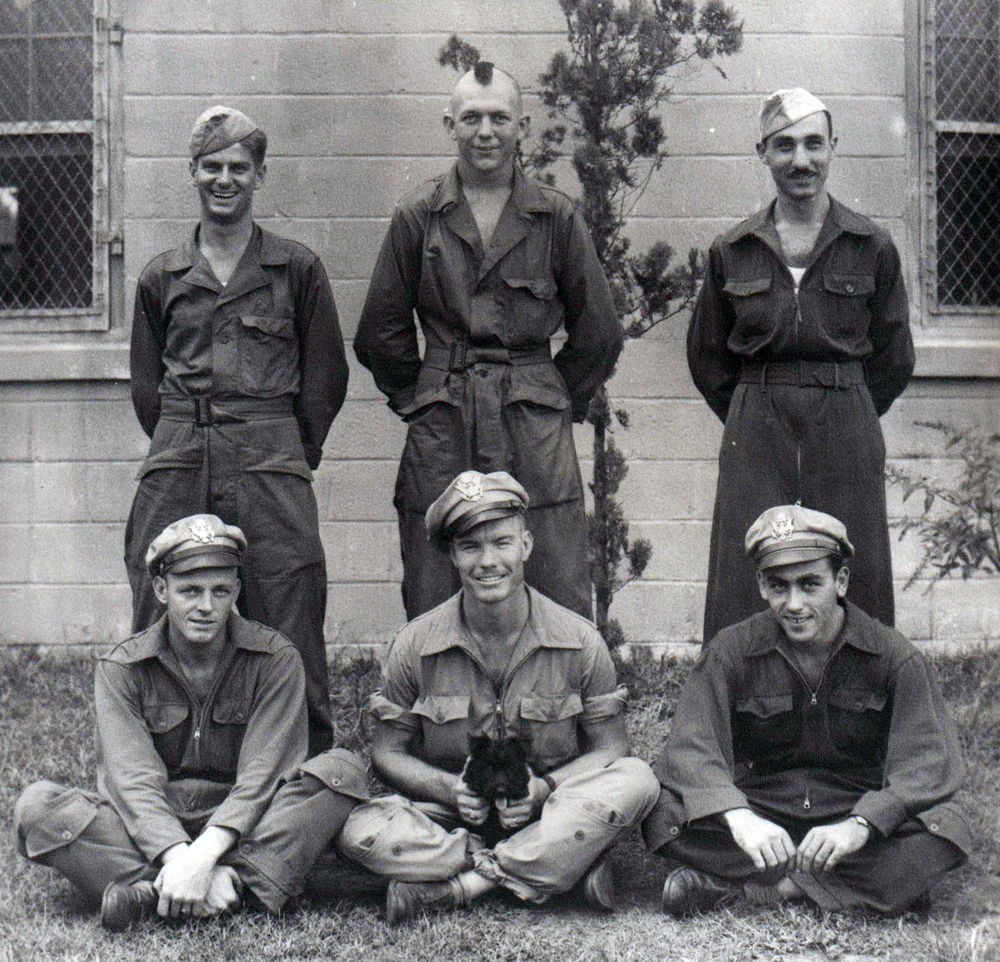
<point x="800" y="341"/>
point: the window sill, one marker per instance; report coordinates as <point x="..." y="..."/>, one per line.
<point x="957" y="356"/>
<point x="64" y="362"/>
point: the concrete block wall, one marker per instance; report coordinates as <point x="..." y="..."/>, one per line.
<point x="351" y="96"/>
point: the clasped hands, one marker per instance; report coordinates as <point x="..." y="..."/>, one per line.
<point x="513" y="813"/>
<point x="771" y="847"/>
<point x="191" y="886"/>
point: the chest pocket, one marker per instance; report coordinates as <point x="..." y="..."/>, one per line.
<point x="845" y="311"/>
<point x="231" y="712"/>
<point x="551" y="725"/>
<point x="445" y="727"/>
<point x="765" y="726"/>
<point x="753" y="306"/>
<point x="859" y="723"/>
<point x="269" y="355"/>
<point x="163" y="718"/>
<point x="166" y="723"/>
<point x="528" y="314"/>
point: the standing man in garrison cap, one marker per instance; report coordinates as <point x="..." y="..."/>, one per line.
<point x="497" y="659"/>
<point x="800" y="341"/>
<point x="493" y="264"/>
<point x="238" y="370"/>
<point x="811" y="755"/>
<point x="205" y="799"/>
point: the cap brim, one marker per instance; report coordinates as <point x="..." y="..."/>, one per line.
<point x="793" y="556"/>
<point x="217" y="558"/>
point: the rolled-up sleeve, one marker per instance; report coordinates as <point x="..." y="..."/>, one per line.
<point x="276" y="740"/>
<point x="600" y="707"/>
<point x="130" y="772"/>
<point x="393" y="700"/>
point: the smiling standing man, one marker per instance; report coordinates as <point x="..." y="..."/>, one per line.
<point x="238" y="371"/>
<point x="204" y="797"/>
<point x="498" y="659"/>
<point x="811" y="754"/>
<point x="800" y="341"/>
<point x="493" y="264"/>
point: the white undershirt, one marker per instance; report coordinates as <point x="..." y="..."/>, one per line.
<point x="797" y="273"/>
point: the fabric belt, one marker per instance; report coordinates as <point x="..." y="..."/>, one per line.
<point x="462" y="355"/>
<point x="205" y="410"/>
<point x="835" y="374"/>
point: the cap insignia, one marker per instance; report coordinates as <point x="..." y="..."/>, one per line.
<point x="469" y="486"/>
<point x="202" y="531"/>
<point x="782" y="527"/>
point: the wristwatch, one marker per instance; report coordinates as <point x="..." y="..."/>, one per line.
<point x="861" y="820"/>
<point x="550" y="781"/>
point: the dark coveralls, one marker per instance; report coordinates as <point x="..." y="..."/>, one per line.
<point x="487" y="394"/>
<point x="800" y="381"/>
<point x="237" y="386"/>
<point x="873" y="738"/>
<point x="170" y="764"/>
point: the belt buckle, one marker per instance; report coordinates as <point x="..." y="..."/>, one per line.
<point x="202" y="412"/>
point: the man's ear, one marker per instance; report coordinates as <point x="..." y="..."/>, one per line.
<point x="193" y="170"/>
<point x="529" y="543"/>
<point x="449" y="123"/>
<point x="842" y="578"/>
<point x="762" y="585"/>
<point x="761" y="150"/>
<point x="259" y="175"/>
<point x="160" y="589"/>
<point x="523" y="127"/>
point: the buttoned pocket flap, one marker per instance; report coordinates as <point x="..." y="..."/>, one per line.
<point x="765" y="706"/>
<point x="551" y="708"/>
<point x="162" y="718"/>
<point x="850" y="285"/>
<point x="857" y="699"/>
<point x="275" y="326"/>
<point x="61" y="826"/>
<point x="440" y="395"/>
<point x="544" y="288"/>
<point x="747" y="288"/>
<point x="442" y="708"/>
<point x="231" y="712"/>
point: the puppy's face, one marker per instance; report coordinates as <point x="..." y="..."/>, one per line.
<point x="497" y="769"/>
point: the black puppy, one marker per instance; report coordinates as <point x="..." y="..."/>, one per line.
<point x="496" y="769"/>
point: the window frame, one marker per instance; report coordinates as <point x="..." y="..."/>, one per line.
<point x="106" y="239"/>
<point x="986" y="319"/>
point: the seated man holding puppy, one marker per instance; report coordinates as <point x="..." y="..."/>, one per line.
<point x="496" y="659"/>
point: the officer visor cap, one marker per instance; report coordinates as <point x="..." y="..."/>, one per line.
<point x="471" y="499"/>
<point x="786" y="107"/>
<point x="218" y="128"/>
<point x="201" y="541"/>
<point x="790" y="534"/>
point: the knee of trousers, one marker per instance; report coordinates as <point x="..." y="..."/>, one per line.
<point x="48" y="816"/>
<point x="627" y="785"/>
<point x="339" y="770"/>
<point x="393" y="838"/>
<point x="33" y="804"/>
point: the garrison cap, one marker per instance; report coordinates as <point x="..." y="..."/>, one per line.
<point x="471" y="499"/>
<point x="201" y="541"/>
<point x="218" y="128"/>
<point x="790" y="534"/>
<point x="786" y="107"/>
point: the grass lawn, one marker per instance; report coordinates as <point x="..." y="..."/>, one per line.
<point x="46" y="724"/>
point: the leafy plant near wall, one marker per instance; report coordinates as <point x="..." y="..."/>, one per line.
<point x="604" y="97"/>
<point x="959" y="526"/>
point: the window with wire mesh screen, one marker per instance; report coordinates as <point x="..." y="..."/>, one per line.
<point x="47" y="157"/>
<point x="962" y="101"/>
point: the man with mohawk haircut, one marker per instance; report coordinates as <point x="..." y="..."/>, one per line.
<point x="493" y="264"/>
